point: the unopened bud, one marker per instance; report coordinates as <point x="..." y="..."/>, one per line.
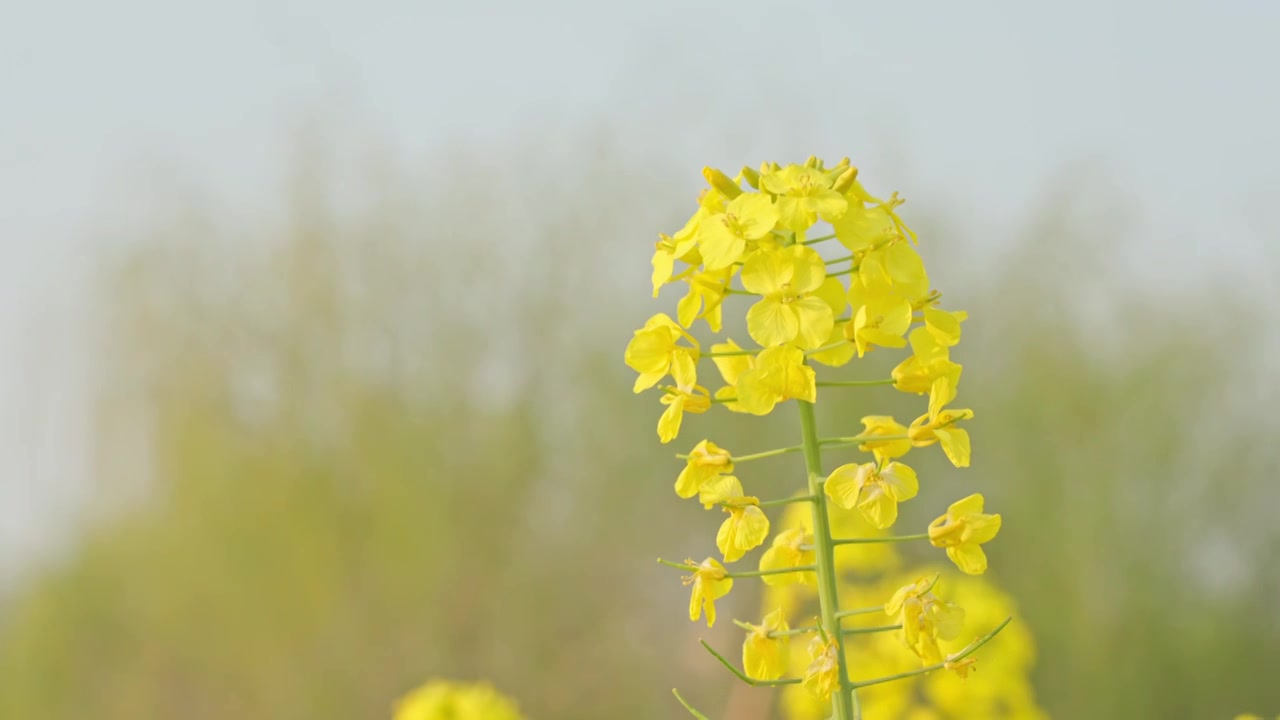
<point x="751" y="176"/>
<point x="845" y="182"/>
<point x="721" y="182"/>
<point x="812" y="162"/>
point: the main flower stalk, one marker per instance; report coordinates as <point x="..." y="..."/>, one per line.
<point x="843" y="703"/>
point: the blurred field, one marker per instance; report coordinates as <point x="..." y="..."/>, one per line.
<point x="368" y="445"/>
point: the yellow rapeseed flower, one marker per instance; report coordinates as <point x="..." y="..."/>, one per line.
<point x="778" y="374"/>
<point x="706" y="461"/>
<point x="710" y="582"/>
<point x="683" y="245"/>
<point x="790" y="548"/>
<point x="875" y="490"/>
<point x="939" y="426"/>
<point x="723" y="239"/>
<point x="789" y="311"/>
<point x="705" y="298"/>
<point x="925" y="619"/>
<point x="804" y="195"/>
<point x="862" y="228"/>
<point x="655" y="352"/>
<point x="881" y="316"/>
<point x="822" y="677"/>
<point x="747" y="525"/>
<point x="680" y="400"/>
<point x="928" y="366"/>
<point x="962" y="531"/>
<point x="883" y="425"/>
<point x="944" y="326"/>
<point x="764" y="656"/>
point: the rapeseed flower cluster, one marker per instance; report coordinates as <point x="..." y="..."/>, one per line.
<point x="762" y="236"/>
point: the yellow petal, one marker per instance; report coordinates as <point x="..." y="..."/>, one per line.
<point x="955" y="443"/>
<point x="730" y="366"/>
<point x="765" y="273"/>
<point x="969" y="558"/>
<point x="845" y="483"/>
<point x="982" y="528"/>
<point x="719" y="246"/>
<point x="880" y="509"/>
<point x="970" y="505"/>
<point x="815" y="322"/>
<point x="808" y="271"/>
<point x="772" y="323"/>
<point x="901" y="480"/>
<point x="669" y="423"/>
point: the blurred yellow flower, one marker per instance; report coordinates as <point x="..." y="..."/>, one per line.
<point x="790" y="548"/>
<point x="710" y="582"/>
<point x="822" y="677"/>
<point x="962" y="531"/>
<point x="962" y="668"/>
<point x="442" y="700"/>
<point x="764" y="657"/>
<point x="925" y="619"/>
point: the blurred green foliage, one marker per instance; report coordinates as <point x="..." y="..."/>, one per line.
<point x="361" y="447"/>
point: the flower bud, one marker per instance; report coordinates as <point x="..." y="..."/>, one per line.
<point x="721" y="182"/>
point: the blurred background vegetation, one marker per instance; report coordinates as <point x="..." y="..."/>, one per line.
<point x="286" y="443"/>
<point x="368" y="446"/>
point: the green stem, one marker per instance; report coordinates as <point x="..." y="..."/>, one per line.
<point x="729" y="353"/>
<point x="687" y="706"/>
<point x="818" y="240"/>
<point x="971" y="649"/>
<point x="840" y="260"/>
<point x="756" y="456"/>
<point x="855" y="383"/>
<point x="742" y="676"/>
<point x="824" y="348"/>
<point x="824" y="442"/>
<point x="786" y="501"/>
<point x="872" y="540"/>
<point x="744" y="573"/>
<point x="859" y="440"/>
<point x="845" y="703"/>
<point x="807" y="630"/>
<point x="765" y="454"/>
<point x="873" y="629"/>
<point x="860" y="611"/>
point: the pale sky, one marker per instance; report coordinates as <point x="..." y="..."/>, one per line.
<point x="980" y="105"/>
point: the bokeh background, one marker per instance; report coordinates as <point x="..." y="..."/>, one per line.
<point x="312" y="318"/>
